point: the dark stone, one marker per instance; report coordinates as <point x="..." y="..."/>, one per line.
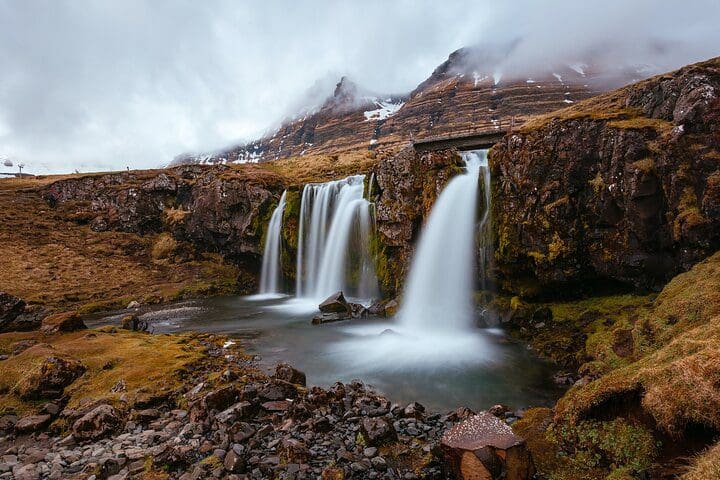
<point x="286" y="372"/>
<point x="32" y="423"/>
<point x="134" y="323"/>
<point x="277" y="390"/>
<point x="233" y="462"/>
<point x="335" y="303"/>
<point x="16" y="316"/>
<point x="377" y="431"/>
<point x="98" y="423"/>
<point x="239" y="411"/>
<point x="543" y="314"/>
<point x="330" y="317"/>
<point x="220" y="399"/>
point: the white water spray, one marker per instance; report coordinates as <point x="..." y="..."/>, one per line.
<point x="333" y="244"/>
<point x="271" y="273"/>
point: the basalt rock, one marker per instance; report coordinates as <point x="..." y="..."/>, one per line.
<point x="623" y="189"/>
<point x="485" y="448"/>
<point x="216" y="209"/>
<point x="335" y="303"/>
<point x="406" y="186"/>
<point x="16" y="315"/>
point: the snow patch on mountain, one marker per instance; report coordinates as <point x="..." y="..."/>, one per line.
<point x="386" y="108"/>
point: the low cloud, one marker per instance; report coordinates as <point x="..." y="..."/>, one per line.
<point x="105" y="85"/>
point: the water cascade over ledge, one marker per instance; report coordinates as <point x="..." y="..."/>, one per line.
<point x="334" y="241"/>
<point x="439" y="291"/>
<point x="271" y="273"/>
<point x="435" y="329"/>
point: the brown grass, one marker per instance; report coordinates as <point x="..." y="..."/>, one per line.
<point x="706" y="466"/>
<point x="150" y="365"/>
<point x="677" y="375"/>
<point x="321" y="168"/>
<point x="50" y="259"/>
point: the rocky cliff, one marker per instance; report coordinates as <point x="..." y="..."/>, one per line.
<point x="217" y="209"/>
<point x="624" y="187"/>
<point x="466" y="93"/>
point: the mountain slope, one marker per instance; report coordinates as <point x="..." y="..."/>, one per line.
<point x="468" y="92"/>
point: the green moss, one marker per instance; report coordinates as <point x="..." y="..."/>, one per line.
<point x="614" y="445"/>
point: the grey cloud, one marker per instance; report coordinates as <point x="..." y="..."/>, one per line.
<point x="98" y="85"/>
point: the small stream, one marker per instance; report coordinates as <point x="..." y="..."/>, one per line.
<point x="484" y="369"/>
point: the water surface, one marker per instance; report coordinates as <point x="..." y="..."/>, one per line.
<point x="478" y="369"/>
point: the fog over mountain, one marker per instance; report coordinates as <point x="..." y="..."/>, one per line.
<point x="108" y="85"/>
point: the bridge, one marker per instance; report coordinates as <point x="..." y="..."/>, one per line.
<point x="481" y="136"/>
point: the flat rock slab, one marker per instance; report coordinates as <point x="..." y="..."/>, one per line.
<point x="482" y="447"/>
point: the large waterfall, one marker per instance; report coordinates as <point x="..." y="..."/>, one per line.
<point x="271" y="273"/>
<point x="439" y="290"/>
<point x="334" y="237"/>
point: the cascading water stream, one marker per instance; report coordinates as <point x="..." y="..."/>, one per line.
<point x="440" y="285"/>
<point x="435" y="328"/>
<point x="334" y="237"/>
<point x="271" y="273"/>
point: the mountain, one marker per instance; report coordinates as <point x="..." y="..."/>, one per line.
<point x="471" y="91"/>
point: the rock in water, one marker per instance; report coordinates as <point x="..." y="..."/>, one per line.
<point x="485" y="448"/>
<point x="330" y="317"/>
<point x="335" y="303"/>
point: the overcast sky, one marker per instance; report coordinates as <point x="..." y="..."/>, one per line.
<point x="101" y="85"/>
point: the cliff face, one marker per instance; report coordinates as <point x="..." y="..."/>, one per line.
<point x="464" y="94"/>
<point x="217" y="209"/>
<point x="625" y="186"/>
<point x="405" y="187"/>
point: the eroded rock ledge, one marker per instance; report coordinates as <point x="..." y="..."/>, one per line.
<point x="623" y="187"/>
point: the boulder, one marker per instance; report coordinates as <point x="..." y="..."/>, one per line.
<point x="482" y="447"/>
<point x="98" y="423"/>
<point x="234" y="462"/>
<point x="239" y="411"/>
<point x="220" y="399"/>
<point x="288" y="373"/>
<point x="32" y="423"/>
<point x="293" y="451"/>
<point x="377" y="431"/>
<point x="330" y="317"/>
<point x="357" y="310"/>
<point x="62" y="322"/>
<point x="16" y="316"/>
<point x="50" y="379"/>
<point x="335" y="303"/>
<point x="134" y="323"/>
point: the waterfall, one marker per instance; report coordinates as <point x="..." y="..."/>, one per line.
<point x="440" y="286"/>
<point x="333" y="244"/>
<point x="271" y="273"/>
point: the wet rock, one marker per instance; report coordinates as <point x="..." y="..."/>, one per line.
<point x="330" y="318"/>
<point x="49" y="381"/>
<point x="277" y="390"/>
<point x="357" y="310"/>
<point x="414" y="410"/>
<point x="134" y="323"/>
<point x="377" y="431"/>
<point x="32" y="423"/>
<point x="286" y="372"/>
<point x="62" y="322"/>
<point x="499" y="410"/>
<point x="335" y="303"/>
<point x="391" y="308"/>
<point x="98" y="423"/>
<point x="542" y="315"/>
<point x="484" y="447"/>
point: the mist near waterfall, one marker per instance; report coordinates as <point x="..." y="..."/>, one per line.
<point x="109" y="85"/>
